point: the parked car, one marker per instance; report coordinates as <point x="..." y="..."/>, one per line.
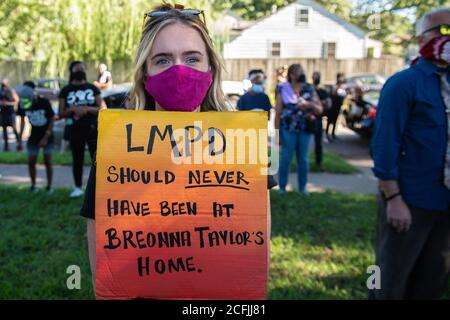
<point x="116" y="96"/>
<point x="50" y="88"/>
<point x="361" y="120"/>
<point x="233" y="90"/>
<point x="367" y="82"/>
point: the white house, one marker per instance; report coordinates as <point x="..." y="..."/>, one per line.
<point x="303" y="29"/>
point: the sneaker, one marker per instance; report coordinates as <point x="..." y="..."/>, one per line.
<point x="305" y="193"/>
<point x="49" y="190"/>
<point x="77" y="192"/>
<point x="32" y="189"/>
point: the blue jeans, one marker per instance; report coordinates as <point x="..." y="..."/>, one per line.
<point x="298" y="142"/>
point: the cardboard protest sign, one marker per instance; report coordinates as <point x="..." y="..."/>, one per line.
<point x="181" y="205"/>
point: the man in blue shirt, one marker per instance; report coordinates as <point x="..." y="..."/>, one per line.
<point x="255" y="98"/>
<point x="409" y="147"/>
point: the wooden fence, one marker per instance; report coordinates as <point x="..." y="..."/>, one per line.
<point x="235" y="69"/>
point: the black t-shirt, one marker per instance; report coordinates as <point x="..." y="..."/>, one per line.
<point x="323" y="95"/>
<point x="81" y="95"/>
<point x="39" y="114"/>
<point x="6" y="94"/>
<point x="88" y="208"/>
<point x="338" y="96"/>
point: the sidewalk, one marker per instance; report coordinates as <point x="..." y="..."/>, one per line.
<point x="355" y="150"/>
<point x="17" y="174"/>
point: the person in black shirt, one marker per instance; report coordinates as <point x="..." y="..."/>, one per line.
<point x="41" y="117"/>
<point x="337" y="99"/>
<point x="8" y="99"/>
<point x="325" y="99"/>
<point x="80" y="101"/>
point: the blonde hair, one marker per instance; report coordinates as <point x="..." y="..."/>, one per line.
<point x="140" y="99"/>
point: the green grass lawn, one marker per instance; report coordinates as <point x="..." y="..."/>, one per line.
<point x="321" y="245"/>
<point x="64" y="159"/>
<point x="332" y="163"/>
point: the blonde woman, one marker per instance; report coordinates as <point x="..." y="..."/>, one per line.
<point x="175" y="45"/>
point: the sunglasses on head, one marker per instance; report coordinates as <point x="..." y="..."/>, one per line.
<point x="189" y="12"/>
<point x="444" y="29"/>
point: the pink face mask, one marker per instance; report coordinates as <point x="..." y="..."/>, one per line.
<point x="179" y="88"/>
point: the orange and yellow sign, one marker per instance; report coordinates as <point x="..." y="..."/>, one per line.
<point x="181" y="205"/>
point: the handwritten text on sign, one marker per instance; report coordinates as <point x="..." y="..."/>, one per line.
<point x="181" y="205"/>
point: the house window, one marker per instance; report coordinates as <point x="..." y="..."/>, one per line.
<point x="275" y="49"/>
<point x="302" y="16"/>
<point x="329" y="50"/>
<point x="370" y="52"/>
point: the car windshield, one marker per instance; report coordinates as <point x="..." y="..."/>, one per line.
<point x="368" y="80"/>
<point x="62" y="83"/>
<point x="46" y="84"/>
<point x="372" y="97"/>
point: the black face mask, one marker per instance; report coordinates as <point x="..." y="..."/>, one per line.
<point x="302" y="78"/>
<point x="316" y="81"/>
<point x="78" y="75"/>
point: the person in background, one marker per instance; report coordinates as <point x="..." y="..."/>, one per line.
<point x="26" y="94"/>
<point x="255" y="98"/>
<point x="409" y="148"/>
<point x="296" y="103"/>
<point x="338" y="95"/>
<point x="325" y="99"/>
<point x="41" y="117"/>
<point x="282" y="74"/>
<point x="65" y="142"/>
<point x="357" y="99"/>
<point x="80" y="101"/>
<point x="281" y="77"/>
<point x="8" y="100"/>
<point x="104" y="80"/>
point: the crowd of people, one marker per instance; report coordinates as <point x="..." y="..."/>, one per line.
<point x="79" y="103"/>
<point x="300" y="109"/>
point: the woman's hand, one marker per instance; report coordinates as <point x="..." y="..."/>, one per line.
<point x="79" y="112"/>
<point x="43" y="142"/>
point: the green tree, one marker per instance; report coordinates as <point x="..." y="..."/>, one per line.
<point x="51" y="33"/>
<point x="397" y="19"/>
